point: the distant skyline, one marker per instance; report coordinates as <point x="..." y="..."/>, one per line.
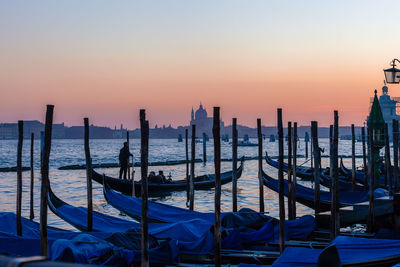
<point x="107" y="59"/>
<point x="156" y="125"/>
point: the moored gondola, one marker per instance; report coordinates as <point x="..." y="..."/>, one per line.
<point x="344" y="251"/>
<point x="383" y="211"/>
<point x="306" y="173"/>
<point x="343" y="185"/>
<point x="360" y="175"/>
<point x="77" y="217"/>
<point x="305" y="195"/>
<point x="192" y="236"/>
<point x="203" y="182"/>
<point x="163" y="213"/>
<point x="157" y="212"/>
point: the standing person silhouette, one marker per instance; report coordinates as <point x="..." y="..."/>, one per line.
<point x="124" y="160"/>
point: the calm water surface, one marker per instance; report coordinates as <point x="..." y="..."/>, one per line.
<point x="70" y="185"/>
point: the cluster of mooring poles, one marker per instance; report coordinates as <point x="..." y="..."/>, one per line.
<point x="378" y="136"/>
<point x="144" y="127"/>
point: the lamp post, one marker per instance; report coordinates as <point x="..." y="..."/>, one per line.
<point x="378" y="125"/>
<point x="392" y="75"/>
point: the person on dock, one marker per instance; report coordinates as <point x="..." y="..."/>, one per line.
<point x="124" y="155"/>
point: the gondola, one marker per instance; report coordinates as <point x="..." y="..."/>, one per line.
<point x="163" y="213"/>
<point x="190" y="231"/>
<point x="77" y="217"/>
<point x="246" y="143"/>
<point x="360" y="175"/>
<point x="30" y="229"/>
<point x="343" y="185"/>
<point x="383" y="210"/>
<point x="344" y="251"/>
<point x="157" y="212"/>
<point x="305" y="195"/>
<point x="203" y="182"/>
<point x="193" y="236"/>
<point x="306" y="173"/>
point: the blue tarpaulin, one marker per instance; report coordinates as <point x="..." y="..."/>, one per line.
<point x="294" y="229"/>
<point x="88" y="249"/>
<point x="352" y="250"/>
<point x="188" y="237"/>
<point x="29" y="244"/>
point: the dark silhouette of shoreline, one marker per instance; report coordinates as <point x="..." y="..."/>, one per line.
<point x="60" y="131"/>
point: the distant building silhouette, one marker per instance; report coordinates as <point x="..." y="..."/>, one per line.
<point x="10" y="130"/>
<point x="203" y="123"/>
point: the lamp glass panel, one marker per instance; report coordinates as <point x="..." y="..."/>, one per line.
<point x="392" y="75"/>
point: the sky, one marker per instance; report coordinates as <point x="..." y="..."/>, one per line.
<point x="107" y="59"/>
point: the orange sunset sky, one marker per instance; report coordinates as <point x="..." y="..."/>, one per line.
<point x="108" y="59"/>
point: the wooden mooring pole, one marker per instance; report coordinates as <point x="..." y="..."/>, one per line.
<point x="353" y="158"/>
<point x="311" y="154"/>
<point x="294" y="136"/>
<point x="144" y="156"/>
<point x="314" y="137"/>
<point x="289" y="172"/>
<point x="217" y="200"/>
<point x="396" y="211"/>
<point x="129" y="168"/>
<point x="260" y="168"/>
<point x="187" y="166"/>
<point x="335" y="219"/>
<point x="45" y="180"/>
<point x="364" y="156"/>
<point x="19" y="176"/>
<point x="332" y="184"/>
<point x="336" y="169"/>
<point x="234" y="164"/>
<point x="388" y="164"/>
<point x="306" y="140"/>
<point x="330" y="157"/>
<point x="204" y="149"/>
<point x="41" y="147"/>
<point x="281" y="185"/>
<point x="31" y="212"/>
<point x="385" y="165"/>
<point x="191" y="180"/>
<point x="371" y="174"/>
<point x="396" y="154"/>
<point x="88" y="177"/>
<point x="133" y="179"/>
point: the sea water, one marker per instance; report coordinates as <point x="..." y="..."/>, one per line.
<point x="70" y="185"/>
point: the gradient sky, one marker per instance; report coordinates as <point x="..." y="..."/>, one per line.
<point x="107" y="59"/>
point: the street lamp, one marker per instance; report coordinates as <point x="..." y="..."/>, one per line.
<point x="392" y="75"/>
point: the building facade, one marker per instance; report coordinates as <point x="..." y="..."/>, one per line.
<point x="389" y="108"/>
